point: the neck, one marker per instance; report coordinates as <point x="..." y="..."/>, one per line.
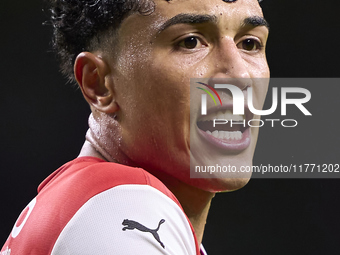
<point x="195" y="202"/>
<point x="103" y="138"/>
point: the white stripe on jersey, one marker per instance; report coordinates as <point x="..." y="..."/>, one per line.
<point x="97" y="226"/>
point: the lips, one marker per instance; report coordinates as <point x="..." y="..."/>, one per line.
<point x="225" y="130"/>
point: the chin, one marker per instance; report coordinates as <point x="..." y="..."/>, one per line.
<point x="215" y="185"/>
<point x="232" y="184"/>
<point x="220" y="173"/>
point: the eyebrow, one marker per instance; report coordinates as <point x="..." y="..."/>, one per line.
<point x="255" y="21"/>
<point x="188" y="18"/>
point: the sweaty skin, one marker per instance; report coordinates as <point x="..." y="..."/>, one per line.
<point x="140" y="97"/>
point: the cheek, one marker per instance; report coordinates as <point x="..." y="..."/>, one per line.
<point x="257" y="66"/>
<point x="260" y="88"/>
<point x="158" y="103"/>
<point x="261" y="69"/>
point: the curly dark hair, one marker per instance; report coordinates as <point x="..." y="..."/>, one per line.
<point x="78" y="24"/>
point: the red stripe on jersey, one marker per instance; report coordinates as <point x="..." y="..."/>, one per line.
<point x="65" y="191"/>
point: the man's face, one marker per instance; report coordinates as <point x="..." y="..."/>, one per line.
<point x="158" y="54"/>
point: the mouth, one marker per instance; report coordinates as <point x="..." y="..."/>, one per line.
<point x="223" y="125"/>
<point x="223" y="129"/>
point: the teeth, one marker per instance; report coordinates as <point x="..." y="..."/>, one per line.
<point x="220" y="135"/>
<point x="226" y="135"/>
<point x="226" y="115"/>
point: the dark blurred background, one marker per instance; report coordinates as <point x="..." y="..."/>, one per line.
<point x="44" y="120"/>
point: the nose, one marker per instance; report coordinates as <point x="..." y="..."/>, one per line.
<point x="230" y="65"/>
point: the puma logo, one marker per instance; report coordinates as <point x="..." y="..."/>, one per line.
<point x="130" y="224"/>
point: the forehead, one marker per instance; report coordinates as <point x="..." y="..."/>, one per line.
<point x="230" y="12"/>
<point x="173" y="7"/>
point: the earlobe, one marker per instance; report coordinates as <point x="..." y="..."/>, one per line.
<point x="93" y="76"/>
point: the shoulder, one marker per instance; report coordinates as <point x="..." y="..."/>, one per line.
<point x="89" y="206"/>
<point x="127" y="210"/>
<point x="93" y="175"/>
<point x="125" y="220"/>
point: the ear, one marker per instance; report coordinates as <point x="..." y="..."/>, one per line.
<point x="93" y="76"/>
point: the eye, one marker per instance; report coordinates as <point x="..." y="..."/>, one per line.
<point x="190" y="43"/>
<point x="250" y="45"/>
